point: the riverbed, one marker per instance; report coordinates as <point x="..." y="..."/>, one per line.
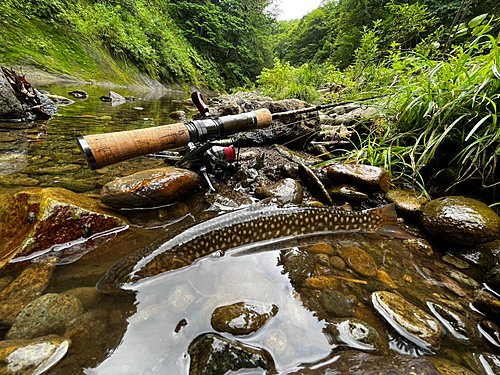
<point x="150" y="330"/>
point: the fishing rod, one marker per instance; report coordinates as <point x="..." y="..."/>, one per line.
<point x="105" y="149"/>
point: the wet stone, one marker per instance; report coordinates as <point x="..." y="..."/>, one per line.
<point x="456" y="324"/>
<point x="353" y="333"/>
<point x="368" y="364"/>
<point x="212" y="354"/>
<point x="151" y="188"/>
<point x="461" y="220"/>
<point x="28" y="286"/>
<point x="321" y="282"/>
<point x="365" y="177"/>
<point x="337" y="262"/>
<point x="407" y="201"/>
<point x="492" y="277"/>
<point x="42" y="218"/>
<point x="348" y="192"/>
<point x="386" y="279"/>
<point x="457" y="262"/>
<point x="287" y="191"/>
<point x="31" y="356"/>
<point x="359" y="260"/>
<point x="408" y="320"/>
<point x="335" y="303"/>
<point x="462" y="279"/>
<point x="447" y="367"/>
<point x="95" y="321"/>
<point x="241" y="318"/>
<point x="321" y="248"/>
<point x="45" y="315"/>
<point x="491" y="331"/>
<point x="488" y="305"/>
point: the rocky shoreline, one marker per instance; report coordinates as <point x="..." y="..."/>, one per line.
<point x="455" y="250"/>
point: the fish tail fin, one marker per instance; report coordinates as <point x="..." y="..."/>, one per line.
<point x="388" y="220"/>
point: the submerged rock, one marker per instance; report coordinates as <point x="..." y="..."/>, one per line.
<point x="457" y="325"/>
<point x="355" y="362"/>
<point x="37" y="219"/>
<point x="461" y="220"/>
<point x="240" y="318"/>
<point x="212" y="354"/>
<point x="287" y="191"/>
<point x="45" y="315"/>
<point x="359" y="260"/>
<point x="365" y="177"/>
<point x="28" y="286"/>
<point x="355" y="334"/>
<point x="410" y="321"/>
<point x="151" y="188"/>
<point x="27" y="357"/>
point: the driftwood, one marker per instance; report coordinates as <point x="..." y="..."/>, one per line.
<point x="26" y="93"/>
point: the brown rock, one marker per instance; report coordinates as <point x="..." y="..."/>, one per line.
<point x="36" y="219"/>
<point x="420" y="327"/>
<point x="240" y="318"/>
<point x="359" y="260"/>
<point x="287" y="191"/>
<point x="362" y="176"/>
<point x="407" y="201"/>
<point x="27" y="287"/>
<point x="151" y="188"/>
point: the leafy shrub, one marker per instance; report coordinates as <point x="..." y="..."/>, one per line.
<point x="284" y="81"/>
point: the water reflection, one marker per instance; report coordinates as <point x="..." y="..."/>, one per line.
<point x="151" y="345"/>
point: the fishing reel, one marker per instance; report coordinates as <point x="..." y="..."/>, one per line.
<point x="211" y="157"/>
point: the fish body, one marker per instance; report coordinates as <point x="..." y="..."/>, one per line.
<point x="243" y="227"/>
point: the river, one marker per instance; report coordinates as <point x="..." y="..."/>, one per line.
<point x="150" y="330"/>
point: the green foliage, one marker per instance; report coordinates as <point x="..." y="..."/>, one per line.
<point x="435" y="107"/>
<point x="284" y="81"/>
<point x="233" y="34"/>
<point x="212" y="43"/>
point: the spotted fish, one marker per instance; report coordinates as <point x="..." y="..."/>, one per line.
<point x="244" y="227"/>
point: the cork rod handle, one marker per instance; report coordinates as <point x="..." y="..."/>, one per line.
<point x="110" y="148"/>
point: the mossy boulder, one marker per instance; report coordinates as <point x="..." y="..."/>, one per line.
<point x="461" y="220"/>
<point x="33" y="220"/>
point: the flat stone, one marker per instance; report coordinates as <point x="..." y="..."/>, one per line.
<point x="461" y="220"/>
<point x="151" y="188"/>
<point x="48" y="314"/>
<point x="32" y="356"/>
<point x="365" y="177"/>
<point x="408" y="320"/>
<point x="88" y="296"/>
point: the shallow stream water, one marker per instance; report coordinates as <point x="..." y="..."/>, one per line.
<point x="140" y="332"/>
